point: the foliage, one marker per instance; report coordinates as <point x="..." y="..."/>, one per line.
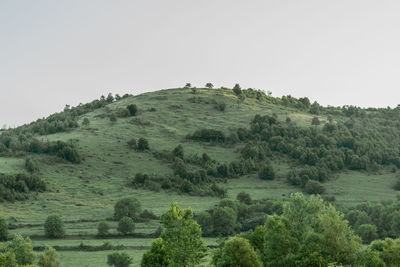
<point x="18" y="186"/>
<point x="182" y="237"/>
<point x="31" y="165"/>
<point x="103" y="228"/>
<point x="143" y="144"/>
<point x="129" y="207"/>
<point x="3" y="229"/>
<point x="54" y="226"/>
<point x="309" y="233"/>
<point x="49" y="258"/>
<point x="244" y="198"/>
<point x="267" y="173"/>
<point x="22" y="249"/>
<point x="132" y="108"/>
<point x="126" y="225"/>
<point x="117" y="259"/>
<point x="156" y="256"/>
<point x="237" y="90"/>
<point x="236" y="252"/>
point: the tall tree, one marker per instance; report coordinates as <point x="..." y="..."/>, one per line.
<point x="182" y="237"/>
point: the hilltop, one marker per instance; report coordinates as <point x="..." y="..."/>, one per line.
<point x="83" y="157"/>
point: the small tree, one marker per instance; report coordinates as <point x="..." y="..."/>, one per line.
<point x="236" y="252"/>
<point x="31" y="165"/>
<point x="182" y="237"/>
<point x="85" y="122"/>
<point x="3" y="229"/>
<point x="156" y="256"/>
<point x="187" y="85"/>
<point x="132" y="143"/>
<point x="194" y="90"/>
<point x="267" y="173"/>
<point x="132" y="108"/>
<point x="237" y="90"/>
<point x="129" y="207"/>
<point x="23" y="250"/>
<point x="54" y="226"/>
<point x="367" y="232"/>
<point x="126" y="225"/>
<point x="49" y="258"/>
<point x="209" y="85"/>
<point x="143" y="144"/>
<point x="244" y="198"/>
<point x="315" y="121"/>
<point x="113" y="118"/>
<point x="178" y="152"/>
<point x="102" y="228"/>
<point x="119" y="259"/>
<point x="110" y="98"/>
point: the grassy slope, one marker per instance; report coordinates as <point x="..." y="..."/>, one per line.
<point x="90" y="189"/>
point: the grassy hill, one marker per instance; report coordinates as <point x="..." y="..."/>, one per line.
<point x="85" y="193"/>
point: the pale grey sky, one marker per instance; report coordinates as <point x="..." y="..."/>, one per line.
<point x="61" y="52"/>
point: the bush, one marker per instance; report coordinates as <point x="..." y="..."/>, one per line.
<point x="236" y="252"/>
<point x="314" y="187"/>
<point x="132" y="143"/>
<point x="220" y="106"/>
<point x="244" y="197"/>
<point x="102" y="228"/>
<point x="129" y="207"/>
<point x="119" y="259"/>
<point x="156" y="256"/>
<point x="178" y="152"/>
<point x="113" y="118"/>
<point x="208" y="135"/>
<point x="54" y="226"/>
<point x="85" y="122"/>
<point x="315" y="121"/>
<point x="49" y="258"/>
<point x="267" y="173"/>
<point x="3" y="229"/>
<point x="143" y="144"/>
<point x="132" y="109"/>
<point x="31" y="165"/>
<point x="367" y="232"/>
<point x="146" y="214"/>
<point x="126" y="225"/>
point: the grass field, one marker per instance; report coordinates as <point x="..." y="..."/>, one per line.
<point x="89" y="190"/>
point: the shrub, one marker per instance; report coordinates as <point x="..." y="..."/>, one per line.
<point x="126" y="225"/>
<point x="236" y="252"/>
<point x="367" y="232"/>
<point x="129" y="207"/>
<point x="54" y="226"/>
<point x="132" y="108"/>
<point x="113" y="117"/>
<point x="3" y="229"/>
<point x="208" y="135"/>
<point x="156" y="256"/>
<point x="102" y="228"/>
<point x="397" y="185"/>
<point x="132" y="143"/>
<point x="143" y="144"/>
<point x="178" y="152"/>
<point x="147" y="214"/>
<point x="220" y="106"/>
<point x="314" y="187"/>
<point x="31" y="165"/>
<point x="244" y="197"/>
<point x="119" y="259"/>
<point x="49" y="258"/>
<point x="85" y="122"/>
<point x="315" y="121"/>
<point x="267" y="173"/>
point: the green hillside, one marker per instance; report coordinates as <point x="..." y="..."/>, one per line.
<point x="97" y="164"/>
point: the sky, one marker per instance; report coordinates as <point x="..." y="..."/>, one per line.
<point x="53" y="53"/>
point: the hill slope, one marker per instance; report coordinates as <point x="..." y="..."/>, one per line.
<point x="89" y="190"/>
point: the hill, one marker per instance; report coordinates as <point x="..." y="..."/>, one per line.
<point x="204" y="144"/>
